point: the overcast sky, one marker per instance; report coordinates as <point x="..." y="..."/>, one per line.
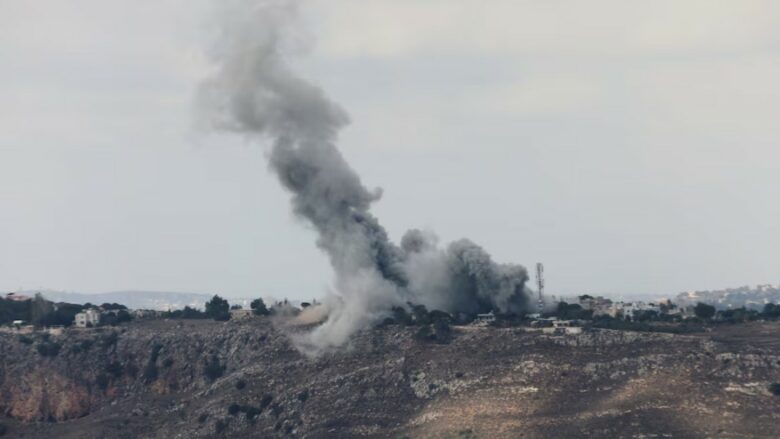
<point x="633" y="147"/>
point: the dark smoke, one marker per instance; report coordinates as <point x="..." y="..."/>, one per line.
<point x="253" y="92"/>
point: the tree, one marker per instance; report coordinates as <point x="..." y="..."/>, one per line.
<point x="259" y="308"/>
<point x="40" y="310"/>
<point x="218" y="308"/>
<point x="704" y="311"/>
<point x="441" y="330"/>
<point x="771" y="310"/>
<point x="401" y="317"/>
<point x="420" y="314"/>
<point x="236" y="306"/>
<point x="112" y="306"/>
<point x="123" y="316"/>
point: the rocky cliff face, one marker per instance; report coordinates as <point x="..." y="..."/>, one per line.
<point x="206" y="379"/>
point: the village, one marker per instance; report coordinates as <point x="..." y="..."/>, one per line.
<point x="569" y="316"/>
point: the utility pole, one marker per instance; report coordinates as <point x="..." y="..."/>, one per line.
<point x="540" y="285"/>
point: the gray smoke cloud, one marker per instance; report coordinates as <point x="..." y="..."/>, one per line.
<point x="253" y="91"/>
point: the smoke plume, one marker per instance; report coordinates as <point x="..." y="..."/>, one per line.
<point x="253" y="91"/>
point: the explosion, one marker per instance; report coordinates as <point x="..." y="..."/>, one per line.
<point x="254" y="92"/>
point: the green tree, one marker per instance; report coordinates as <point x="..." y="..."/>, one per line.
<point x="218" y="308"/>
<point x="40" y="310"/>
<point x="420" y="315"/>
<point x="259" y="308"/>
<point x="704" y="311"/>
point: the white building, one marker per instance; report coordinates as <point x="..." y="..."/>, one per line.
<point x="87" y="318"/>
<point x="486" y="318"/>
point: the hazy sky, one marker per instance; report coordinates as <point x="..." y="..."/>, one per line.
<point x="633" y="147"/>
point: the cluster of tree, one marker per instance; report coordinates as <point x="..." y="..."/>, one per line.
<point x="186" y="313"/>
<point x="433" y="325"/>
<point x="115" y="317"/>
<point x="39" y="312"/>
<point x="572" y="311"/>
<point x="11" y="310"/>
<point x="218" y="309"/>
<point x="742" y="314"/>
<point x="702" y="312"/>
<point x="608" y="322"/>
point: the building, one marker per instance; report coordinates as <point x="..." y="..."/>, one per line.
<point x="87" y="319"/>
<point x="485" y="318"/>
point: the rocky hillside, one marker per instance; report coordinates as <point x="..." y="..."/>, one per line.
<point x="168" y="379"/>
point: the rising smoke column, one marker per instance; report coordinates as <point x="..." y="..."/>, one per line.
<point x="253" y="92"/>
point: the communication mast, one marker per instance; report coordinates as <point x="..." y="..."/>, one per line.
<point x="540" y="285"/>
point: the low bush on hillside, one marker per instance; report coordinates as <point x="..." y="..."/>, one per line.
<point x="267" y="399"/>
<point x="48" y="349"/>
<point x="115" y="369"/>
<point x="150" y="371"/>
<point x="25" y="339"/>
<point x="233" y="409"/>
<point x="775" y="388"/>
<point x="220" y="426"/>
<point x="212" y="368"/>
<point x="102" y="381"/>
<point x="110" y="339"/>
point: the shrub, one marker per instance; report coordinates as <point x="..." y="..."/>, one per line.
<point x="775" y="388"/>
<point x="131" y="369"/>
<point x="3" y="429"/>
<point x="110" y="339"/>
<point x="441" y="331"/>
<point x="150" y="371"/>
<point x="168" y="362"/>
<point x="48" y="349"/>
<point x="102" y="380"/>
<point x="233" y="409"/>
<point x="304" y="395"/>
<point x="220" y="426"/>
<point x="240" y="384"/>
<point x="212" y="369"/>
<point x="114" y="368"/>
<point x="202" y="418"/>
<point x="25" y="339"/>
<point x="425" y="333"/>
<point x="266" y="401"/>
<point x="252" y="412"/>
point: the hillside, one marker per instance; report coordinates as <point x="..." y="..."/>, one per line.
<point x="169" y="379"/>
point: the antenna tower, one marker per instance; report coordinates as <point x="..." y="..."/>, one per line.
<point x="540" y="284"/>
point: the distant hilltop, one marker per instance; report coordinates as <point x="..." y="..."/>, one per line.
<point x="155" y="300"/>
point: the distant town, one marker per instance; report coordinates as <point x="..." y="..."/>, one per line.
<point x="687" y="312"/>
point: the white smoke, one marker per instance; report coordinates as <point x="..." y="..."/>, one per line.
<point x="253" y="92"/>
